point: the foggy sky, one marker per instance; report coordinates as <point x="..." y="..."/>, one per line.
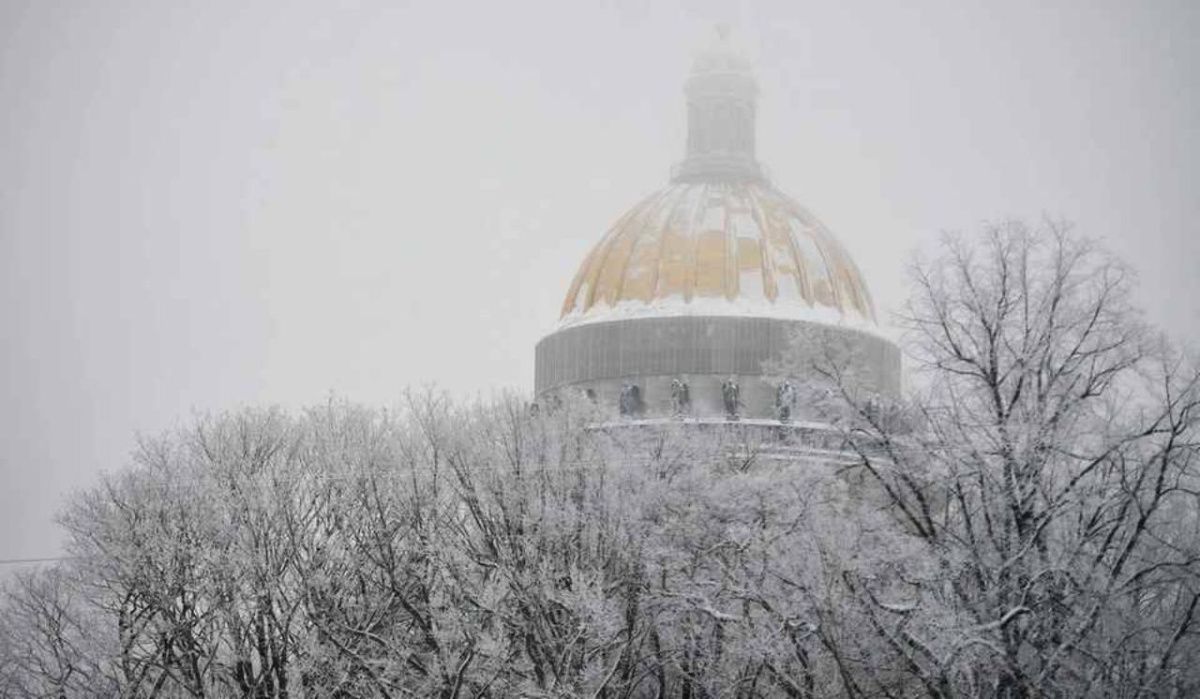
<point x="212" y="205"/>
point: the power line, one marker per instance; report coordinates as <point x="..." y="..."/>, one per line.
<point x="24" y="561"/>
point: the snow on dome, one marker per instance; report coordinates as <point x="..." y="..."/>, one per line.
<point x="719" y="248"/>
<point x="720" y="240"/>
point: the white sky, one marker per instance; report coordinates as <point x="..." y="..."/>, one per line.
<point x="209" y="205"/>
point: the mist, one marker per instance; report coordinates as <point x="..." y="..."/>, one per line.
<point x="216" y="205"/>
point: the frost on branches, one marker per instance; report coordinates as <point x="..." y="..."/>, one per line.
<point x="1023" y="523"/>
<point x="1045" y="467"/>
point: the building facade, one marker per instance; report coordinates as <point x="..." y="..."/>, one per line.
<point x="681" y="308"/>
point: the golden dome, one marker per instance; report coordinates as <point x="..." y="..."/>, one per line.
<point x="719" y="248"/>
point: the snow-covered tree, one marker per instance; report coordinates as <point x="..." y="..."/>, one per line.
<point x="1046" y="473"/>
<point x="1024" y="522"/>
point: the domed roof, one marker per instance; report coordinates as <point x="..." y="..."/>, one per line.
<point x="719" y="248"/>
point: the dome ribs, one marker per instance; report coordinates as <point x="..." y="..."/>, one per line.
<point x="718" y="248"/>
<point x="611" y="280"/>
<point x="606" y="281"/>
<point x="843" y="273"/>
<point x="862" y="294"/>
<point x="729" y="267"/>
<point x="766" y="248"/>
<point x="585" y="279"/>
<point x="778" y="225"/>
<point x="639" y="263"/>
<point x="670" y="263"/>
<point x="710" y="264"/>
<point x="747" y="243"/>
<point x="572" y="300"/>
<point x="696" y="197"/>
<point x="640" y="277"/>
<point x="813" y="232"/>
<point x="856" y="294"/>
<point x="849" y="276"/>
<point x="712" y="243"/>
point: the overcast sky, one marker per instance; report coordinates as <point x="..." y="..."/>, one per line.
<point x="207" y="205"/>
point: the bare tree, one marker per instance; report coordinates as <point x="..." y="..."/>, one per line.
<point x="47" y="648"/>
<point x="1025" y="522"/>
<point x="1047" y="475"/>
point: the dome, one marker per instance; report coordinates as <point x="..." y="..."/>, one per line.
<point x="719" y="248"/>
<point x="685" y="307"/>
